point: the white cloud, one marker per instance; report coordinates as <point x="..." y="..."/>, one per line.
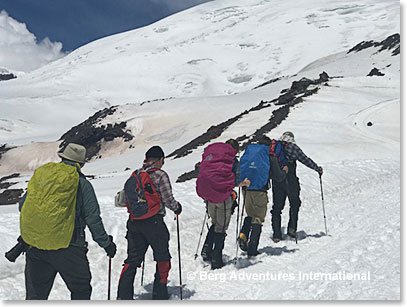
<point x="19" y="49"/>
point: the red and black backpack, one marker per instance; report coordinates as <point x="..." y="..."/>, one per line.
<point x="277" y="150"/>
<point x="142" y="199"/>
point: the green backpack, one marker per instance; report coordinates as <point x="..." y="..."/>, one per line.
<point x="48" y="215"/>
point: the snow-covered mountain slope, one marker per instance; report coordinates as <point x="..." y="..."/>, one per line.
<point x="349" y="124"/>
<point x="175" y="122"/>
<point x="220" y="47"/>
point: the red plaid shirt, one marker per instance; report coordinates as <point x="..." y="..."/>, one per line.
<point x="162" y="184"/>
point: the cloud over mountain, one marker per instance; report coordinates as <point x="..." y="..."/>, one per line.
<point x="19" y="48"/>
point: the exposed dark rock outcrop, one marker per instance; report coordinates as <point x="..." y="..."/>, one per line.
<point x="276" y="118"/>
<point x="268" y="82"/>
<point x="15" y="175"/>
<point x="189" y="175"/>
<point x="391" y="42"/>
<point x="90" y="135"/>
<point x="7" y="76"/>
<point x="212" y="133"/>
<point x="4" y="148"/>
<point x="396" y="51"/>
<point x="11" y="196"/>
<point x="300" y="87"/>
<point x="375" y="72"/>
<point x="154" y="100"/>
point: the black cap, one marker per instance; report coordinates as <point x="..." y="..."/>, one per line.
<point x="155" y="152"/>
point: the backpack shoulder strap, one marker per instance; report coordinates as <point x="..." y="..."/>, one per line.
<point x="151" y="170"/>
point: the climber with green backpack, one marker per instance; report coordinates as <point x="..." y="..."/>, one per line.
<point x="59" y="203"/>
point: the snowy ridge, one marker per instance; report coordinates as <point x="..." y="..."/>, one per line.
<point x="217" y="48"/>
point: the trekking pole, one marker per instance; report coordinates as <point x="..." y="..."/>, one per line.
<point x="142" y="271"/>
<point x="200" y="236"/>
<point x="323" y="206"/>
<point x="237" y="214"/>
<point x="238" y="207"/>
<point x="179" y="259"/>
<point x="240" y="225"/>
<point x="109" y="278"/>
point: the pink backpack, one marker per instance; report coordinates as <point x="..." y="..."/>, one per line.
<point x="216" y="180"/>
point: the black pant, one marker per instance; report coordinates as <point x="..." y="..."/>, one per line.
<point x="281" y="190"/>
<point x="43" y="265"/>
<point x="140" y="235"/>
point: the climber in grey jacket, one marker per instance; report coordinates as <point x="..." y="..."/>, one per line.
<point x="290" y="187"/>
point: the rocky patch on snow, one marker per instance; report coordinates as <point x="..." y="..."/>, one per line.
<point x="3" y="181"/>
<point x="9" y="196"/>
<point x="91" y="133"/>
<point x="300" y="88"/>
<point x="189" y="175"/>
<point x="391" y="42"/>
<point x="375" y="72"/>
<point x="7" y="76"/>
<point x="268" y="82"/>
<point x="3" y="149"/>
<point x="212" y="133"/>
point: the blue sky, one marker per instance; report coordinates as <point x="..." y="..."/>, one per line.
<point x="77" y="22"/>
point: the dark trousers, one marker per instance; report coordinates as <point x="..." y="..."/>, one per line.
<point x="43" y="265"/>
<point x="140" y="235"/>
<point x="281" y="190"/>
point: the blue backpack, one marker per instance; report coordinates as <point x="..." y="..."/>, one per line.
<point x="255" y="165"/>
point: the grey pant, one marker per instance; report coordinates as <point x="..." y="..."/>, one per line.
<point x="256" y="205"/>
<point x="220" y="213"/>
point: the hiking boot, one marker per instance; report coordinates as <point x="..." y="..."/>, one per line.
<point x="206" y="253"/>
<point x="244" y="233"/>
<point x="219" y="240"/>
<point x="207" y="248"/>
<point x="276" y="239"/>
<point x="243" y="242"/>
<point x="160" y="291"/>
<point x="254" y="240"/>
<point x="292" y="233"/>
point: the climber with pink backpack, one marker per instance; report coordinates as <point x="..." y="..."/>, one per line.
<point x="219" y="173"/>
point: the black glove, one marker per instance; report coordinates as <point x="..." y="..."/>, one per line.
<point x="111" y="248"/>
<point x="178" y="210"/>
<point x="320" y="171"/>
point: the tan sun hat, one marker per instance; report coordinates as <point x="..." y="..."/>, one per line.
<point x="74" y="152"/>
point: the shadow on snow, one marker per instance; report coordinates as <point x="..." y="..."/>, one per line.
<point x="173" y="292"/>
